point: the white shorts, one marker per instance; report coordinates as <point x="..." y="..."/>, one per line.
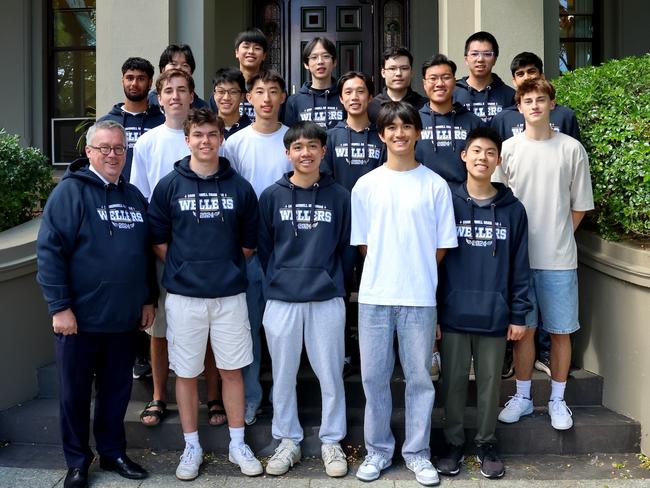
<point x="190" y="321"/>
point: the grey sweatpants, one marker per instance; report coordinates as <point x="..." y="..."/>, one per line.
<point x="321" y="326"/>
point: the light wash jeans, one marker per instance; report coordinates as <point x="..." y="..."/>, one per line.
<point x="255" y="303"/>
<point x="415" y="327"/>
<point x="321" y="326"/>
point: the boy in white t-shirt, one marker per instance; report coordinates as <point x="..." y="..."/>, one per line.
<point x="257" y="153"/>
<point x="403" y="221"/>
<point x="549" y="173"/>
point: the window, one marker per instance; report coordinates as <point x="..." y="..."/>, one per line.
<point x="71" y="41"/>
<point x="579" y="26"/>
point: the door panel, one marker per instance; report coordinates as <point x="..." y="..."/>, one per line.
<point x="347" y="23"/>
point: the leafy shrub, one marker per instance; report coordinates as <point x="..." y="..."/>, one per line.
<point x="25" y="181"/>
<point x="612" y="103"/>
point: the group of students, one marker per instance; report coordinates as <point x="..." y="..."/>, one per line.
<point x="264" y="224"/>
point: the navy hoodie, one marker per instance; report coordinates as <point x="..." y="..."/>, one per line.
<point x="320" y="106"/>
<point x="510" y="122"/>
<point x="304" y="243"/>
<point x="483" y="285"/>
<point x="96" y="262"/>
<point x="487" y="102"/>
<point x="439" y="149"/>
<point x="204" y="254"/>
<point x="135" y="126"/>
<point x="412" y="97"/>
<point x="366" y="150"/>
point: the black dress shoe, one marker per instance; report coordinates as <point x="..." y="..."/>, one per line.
<point x="124" y="467"/>
<point x="76" y="478"/>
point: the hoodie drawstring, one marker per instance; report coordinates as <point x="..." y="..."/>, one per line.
<point x="453" y="130"/>
<point x="472" y="232"/>
<point x="197" y="203"/>
<point x="313" y="106"/>
<point x="293" y="210"/>
<point x="365" y="155"/>
<point x="313" y="205"/>
<point x="494" y="229"/>
<point x="434" y="132"/>
<point x="485" y="102"/>
<point x="219" y="209"/>
<point x="108" y="210"/>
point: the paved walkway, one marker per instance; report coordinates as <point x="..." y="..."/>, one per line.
<point x="43" y="466"/>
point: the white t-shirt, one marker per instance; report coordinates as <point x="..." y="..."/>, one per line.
<point x="154" y="155"/>
<point x="260" y="158"/>
<point x="551" y="178"/>
<point x="403" y="217"/>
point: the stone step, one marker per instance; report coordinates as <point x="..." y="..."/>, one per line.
<point x="583" y="389"/>
<point x="596" y="429"/>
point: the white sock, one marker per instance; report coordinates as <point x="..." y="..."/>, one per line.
<point x="557" y="390"/>
<point x="236" y="436"/>
<point x="192" y="439"/>
<point x="523" y="388"/>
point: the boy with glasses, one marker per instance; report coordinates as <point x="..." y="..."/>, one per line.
<point x="318" y="99"/>
<point x="229" y="91"/>
<point x="397" y="73"/>
<point x="483" y="92"/>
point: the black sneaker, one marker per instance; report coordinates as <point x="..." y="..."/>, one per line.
<point x="449" y="464"/>
<point x="141" y="368"/>
<point x="543" y="364"/>
<point x="491" y="465"/>
<point x="508" y="368"/>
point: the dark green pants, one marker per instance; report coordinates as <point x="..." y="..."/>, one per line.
<point x="456" y="351"/>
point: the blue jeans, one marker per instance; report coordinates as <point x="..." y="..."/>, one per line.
<point x="256" y="303"/>
<point x="415" y="327"/>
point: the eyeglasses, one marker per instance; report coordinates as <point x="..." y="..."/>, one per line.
<point x="443" y="78"/>
<point x="477" y="54"/>
<point x="233" y="92"/>
<point x="394" y="69"/>
<point x="106" y="150"/>
<point x="324" y="57"/>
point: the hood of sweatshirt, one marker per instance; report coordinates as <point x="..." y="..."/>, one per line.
<point x="443" y="138"/>
<point x="321" y="106"/>
<point x="485" y="103"/>
<point x="304" y="239"/>
<point x="484" y="282"/>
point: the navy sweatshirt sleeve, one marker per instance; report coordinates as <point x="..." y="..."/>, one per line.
<point x="55" y="243"/>
<point x="159" y="213"/>
<point x="519" y="272"/>
<point x="266" y="232"/>
<point x="327" y="164"/>
<point x="249" y="215"/>
<point x="347" y="252"/>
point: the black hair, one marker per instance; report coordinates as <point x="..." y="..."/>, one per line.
<point x="168" y="54"/>
<point x="370" y="86"/>
<point x="267" y="76"/>
<point x="139" y="64"/>
<point x="306" y="129"/>
<point x="309" y="47"/>
<point x="484" y="132"/>
<point x="229" y="75"/>
<point x="437" y="60"/>
<point x="483" y="36"/>
<point x="526" y="59"/>
<point x="396" y="52"/>
<point x="254" y="36"/>
<point x="397" y="110"/>
<point x="202" y="116"/>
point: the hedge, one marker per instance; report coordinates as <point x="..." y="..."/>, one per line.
<point x="612" y="104"/>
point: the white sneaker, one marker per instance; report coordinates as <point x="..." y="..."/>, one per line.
<point x="425" y="473"/>
<point x="191" y="460"/>
<point x="286" y="455"/>
<point x="560" y="414"/>
<point x="515" y="408"/>
<point x="243" y="457"/>
<point x="336" y="464"/>
<point x="372" y="467"/>
<point x="435" y="366"/>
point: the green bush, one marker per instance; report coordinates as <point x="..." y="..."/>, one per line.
<point x="25" y="181"/>
<point x="612" y="103"/>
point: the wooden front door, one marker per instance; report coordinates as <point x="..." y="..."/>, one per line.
<point x="348" y="23"/>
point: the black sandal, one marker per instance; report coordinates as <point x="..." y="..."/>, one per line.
<point x="215" y="407"/>
<point x="158" y="414"/>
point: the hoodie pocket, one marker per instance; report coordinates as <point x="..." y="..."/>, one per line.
<point x="473" y="310"/>
<point x="112" y="302"/>
<point x="208" y="276"/>
<point x="301" y="283"/>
